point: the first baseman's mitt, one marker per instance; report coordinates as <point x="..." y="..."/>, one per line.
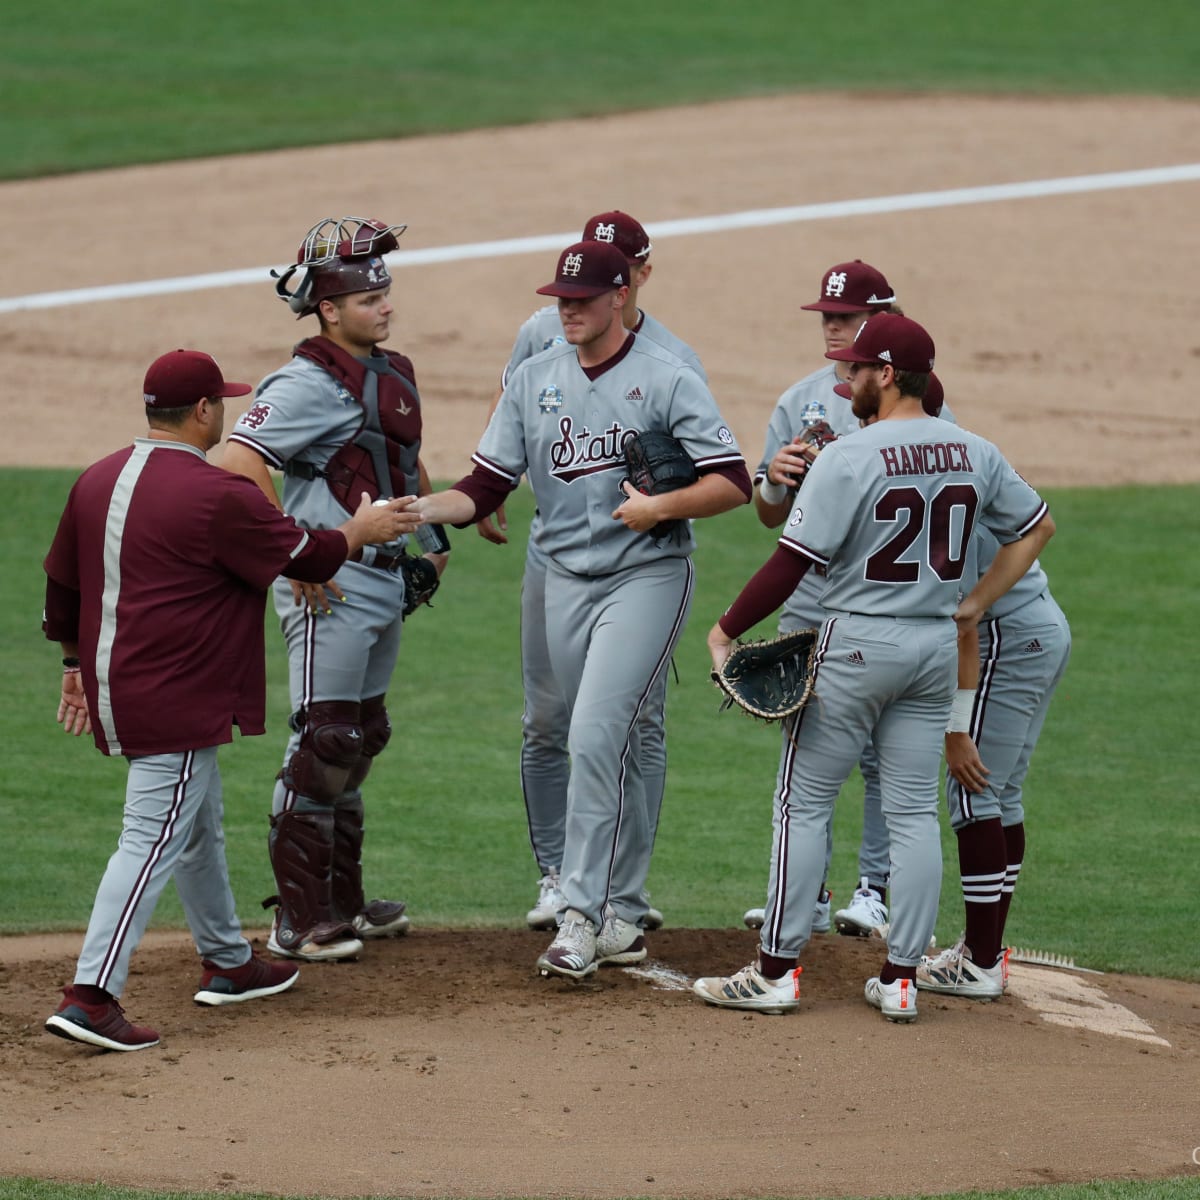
<point x="770" y="679"/>
<point x="420" y="582"/>
<point x="655" y="463"/>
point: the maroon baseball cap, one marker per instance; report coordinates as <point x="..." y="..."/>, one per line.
<point x="931" y="402"/>
<point x="618" y="229"/>
<point x="183" y="377"/>
<point x="852" y="287"/>
<point x="889" y="338"/>
<point x="588" y="269"/>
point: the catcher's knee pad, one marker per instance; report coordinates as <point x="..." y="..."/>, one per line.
<point x="330" y="746"/>
<point x="376" y="733"/>
<point x="301" y="852"/>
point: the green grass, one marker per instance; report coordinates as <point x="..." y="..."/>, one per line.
<point x="133" y="81"/>
<point x="1110" y="803"/>
<point x="1181" y="1188"/>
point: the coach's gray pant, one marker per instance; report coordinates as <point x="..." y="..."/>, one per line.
<point x="171" y="827"/>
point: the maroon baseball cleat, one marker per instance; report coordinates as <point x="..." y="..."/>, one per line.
<point x="102" y="1025"/>
<point x="250" y="981"/>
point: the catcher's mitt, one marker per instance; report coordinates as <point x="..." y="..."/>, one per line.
<point x="420" y="582"/>
<point x="655" y="463"/>
<point x="770" y="679"/>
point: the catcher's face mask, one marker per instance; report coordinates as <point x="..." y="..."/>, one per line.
<point x="338" y="256"/>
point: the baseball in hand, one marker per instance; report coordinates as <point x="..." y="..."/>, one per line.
<point x="382" y="502"/>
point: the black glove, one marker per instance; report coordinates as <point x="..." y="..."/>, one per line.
<point x="655" y="463"/>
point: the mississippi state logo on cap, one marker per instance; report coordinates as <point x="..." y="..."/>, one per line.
<point x="852" y="287"/>
<point x="588" y="269"/>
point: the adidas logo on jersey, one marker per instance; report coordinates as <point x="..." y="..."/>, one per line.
<point x="1032" y="647"/>
<point x="635" y="394"/>
<point x="855" y="659"/>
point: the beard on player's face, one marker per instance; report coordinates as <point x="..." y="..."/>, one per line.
<point x="865" y="392"/>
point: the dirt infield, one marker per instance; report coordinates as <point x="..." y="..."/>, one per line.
<point x="440" y="1065"/>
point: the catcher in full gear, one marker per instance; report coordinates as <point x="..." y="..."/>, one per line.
<point x="342" y="417"/>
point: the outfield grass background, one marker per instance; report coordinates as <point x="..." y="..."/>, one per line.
<point x="130" y="81"/>
<point x="1113" y="829"/>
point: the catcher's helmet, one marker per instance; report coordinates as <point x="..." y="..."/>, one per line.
<point x="338" y="256"/>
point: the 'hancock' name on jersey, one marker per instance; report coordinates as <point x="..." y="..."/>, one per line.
<point x="935" y="458"/>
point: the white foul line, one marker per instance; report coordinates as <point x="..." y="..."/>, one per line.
<point x="750" y="219"/>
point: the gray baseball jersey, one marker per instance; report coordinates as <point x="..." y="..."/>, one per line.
<point x="567" y="433"/>
<point x="302" y="414"/>
<point x="890" y="513"/>
<point x="615" y="601"/>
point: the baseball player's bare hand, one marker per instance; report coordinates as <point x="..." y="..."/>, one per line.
<point x="967" y="616"/>
<point x="639" y="513"/>
<point x="316" y="596"/>
<point x="720" y="646"/>
<point x="494" y="531"/>
<point x="791" y="463"/>
<point x="964" y="763"/>
<point x="73" y="713"/>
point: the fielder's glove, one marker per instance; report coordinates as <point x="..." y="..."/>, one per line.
<point x="655" y="463"/>
<point x="769" y="679"/>
<point x="420" y="582"/>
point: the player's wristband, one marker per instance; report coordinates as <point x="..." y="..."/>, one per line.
<point x="772" y="493"/>
<point x="71" y="663"/>
<point x="960" y="711"/>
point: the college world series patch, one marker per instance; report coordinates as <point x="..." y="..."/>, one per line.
<point x="550" y="399"/>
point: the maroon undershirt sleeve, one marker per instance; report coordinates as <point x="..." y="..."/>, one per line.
<point x="737" y="474"/>
<point x="486" y="490"/>
<point x="767" y="590"/>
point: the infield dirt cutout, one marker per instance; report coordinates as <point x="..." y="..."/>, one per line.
<point x="441" y="1064"/>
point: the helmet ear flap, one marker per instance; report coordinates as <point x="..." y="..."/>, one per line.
<point x="300" y="300"/>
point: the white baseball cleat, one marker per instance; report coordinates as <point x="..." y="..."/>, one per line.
<point x="312" y="951"/>
<point x="573" y="951"/>
<point x="619" y="943"/>
<point x="955" y="973"/>
<point x="897" y="1001"/>
<point x="752" y="991"/>
<point x="550" y="902"/>
<point x="866" y="914"/>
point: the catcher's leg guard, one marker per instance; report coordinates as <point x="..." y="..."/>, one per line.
<point x="301" y="850"/>
<point x="376" y="733"/>
<point x="375" y="918"/>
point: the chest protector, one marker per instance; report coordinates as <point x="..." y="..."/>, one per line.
<point x="381" y="458"/>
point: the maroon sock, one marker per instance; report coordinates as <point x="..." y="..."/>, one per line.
<point x="892" y="971"/>
<point x="775" y="968"/>
<point x="1014" y="841"/>
<point x="982" y="858"/>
